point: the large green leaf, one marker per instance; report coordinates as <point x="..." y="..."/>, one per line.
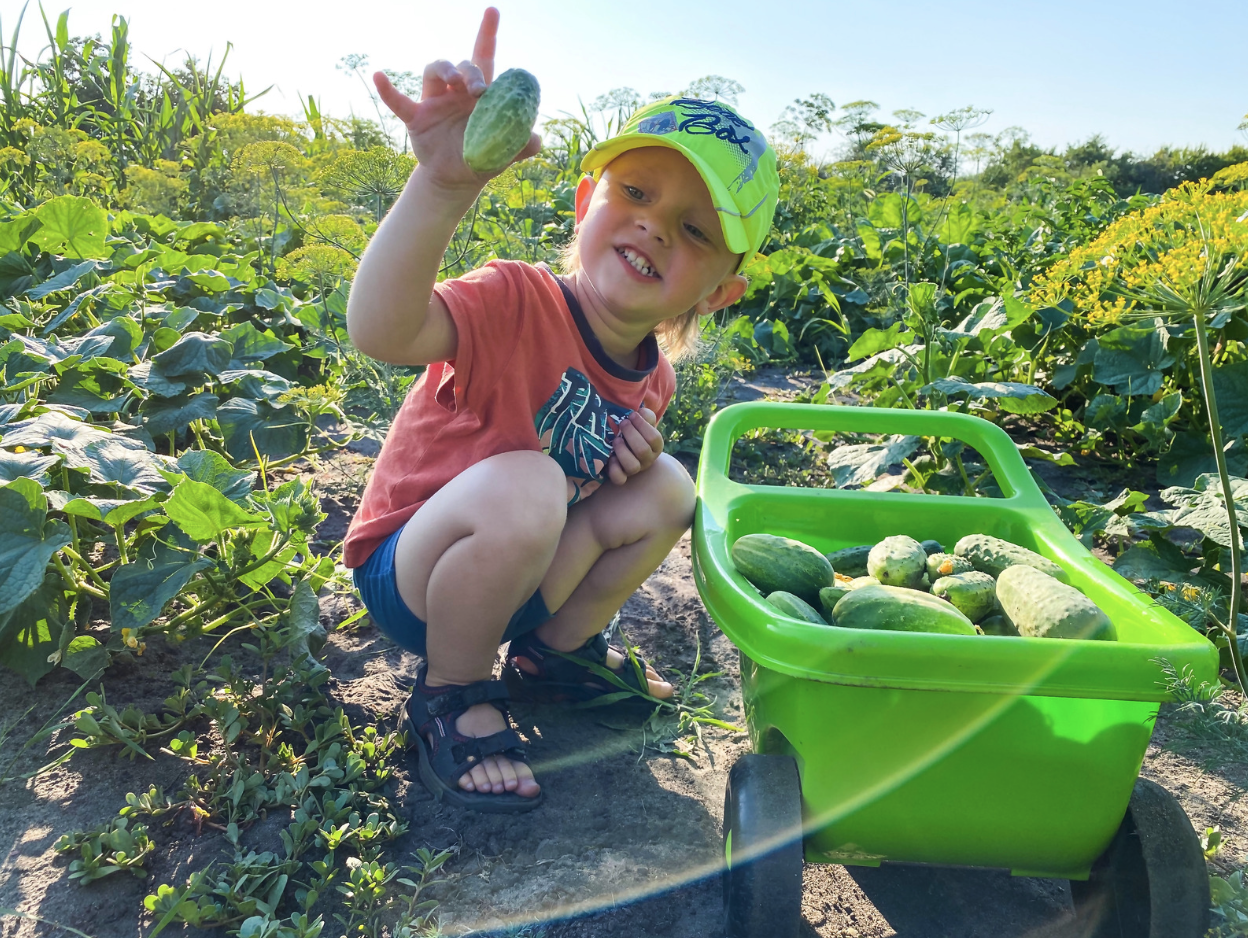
<point x="203" y="465"/>
<point x="139" y="591"/>
<point x="256" y="383"/>
<point x="72" y="226"/>
<point x="30" y="633"/>
<point x="252" y="345"/>
<point x="1011" y="396"/>
<point x="14" y="234"/>
<point x="886" y="211"/>
<point x="1155" y="560"/>
<point x="65" y="280"/>
<point x="1190" y="456"/>
<point x="863" y="463"/>
<point x="1155" y="422"/>
<point x="203" y="512"/>
<point x="1203" y="507"/>
<point x="194" y="354"/>
<point x="122" y="461"/>
<point x="174" y="414"/>
<point x="874" y="341"/>
<point x="1230" y="384"/>
<point x="959" y="225"/>
<point x="1132" y="360"/>
<point x="27" y="541"/>
<point x="278" y="432"/>
<point x="151" y="378"/>
<point x="307" y="635"/>
<point x="111" y="511"/>
<point x="92" y="385"/>
<point x="29" y="465"/>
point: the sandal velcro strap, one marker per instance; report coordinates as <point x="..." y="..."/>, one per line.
<point x="468" y="752"/>
<point x="564" y="675"/>
<point x="461" y="698"/>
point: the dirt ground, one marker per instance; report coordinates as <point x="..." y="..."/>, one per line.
<point x="627" y="843"/>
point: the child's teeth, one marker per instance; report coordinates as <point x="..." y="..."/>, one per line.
<point x="638" y="264"/>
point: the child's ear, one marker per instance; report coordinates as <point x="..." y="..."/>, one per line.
<point x="730" y="289"/>
<point x="584" y="191"/>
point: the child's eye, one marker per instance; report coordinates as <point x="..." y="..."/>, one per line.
<point x="633" y="191"/>
<point x="696" y="232"/>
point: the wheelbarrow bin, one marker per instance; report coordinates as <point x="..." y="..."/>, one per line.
<point x="982" y="751"/>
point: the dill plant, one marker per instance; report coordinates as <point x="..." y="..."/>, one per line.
<point x="1181" y="262"/>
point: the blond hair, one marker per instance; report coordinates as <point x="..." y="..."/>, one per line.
<point x="678" y="336"/>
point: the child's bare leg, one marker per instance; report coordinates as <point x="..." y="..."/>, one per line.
<point x="611" y="543"/>
<point x="464" y="563"/>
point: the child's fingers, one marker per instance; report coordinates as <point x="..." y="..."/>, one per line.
<point x="453" y="76"/>
<point x="614" y="472"/>
<point x="532" y="148"/>
<point x="483" y="49"/>
<point x="403" y="107"/>
<point x="474" y="80"/>
<point x="648" y="415"/>
<point x="628" y="462"/>
<point x="638" y="447"/>
<point x="645" y="429"/>
<point x="433" y="81"/>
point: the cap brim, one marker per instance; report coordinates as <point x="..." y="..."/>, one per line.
<point x="725" y="207"/>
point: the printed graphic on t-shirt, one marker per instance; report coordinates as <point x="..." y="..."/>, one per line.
<point x="576" y="428"/>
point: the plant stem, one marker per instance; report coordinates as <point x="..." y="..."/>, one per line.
<point x="1215" y="428"/>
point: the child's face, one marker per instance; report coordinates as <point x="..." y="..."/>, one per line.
<point x="649" y="238"/>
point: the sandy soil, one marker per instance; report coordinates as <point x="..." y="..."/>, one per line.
<point x="627" y="843"/>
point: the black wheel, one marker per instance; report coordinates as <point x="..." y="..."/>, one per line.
<point x="1151" y="882"/>
<point x="763" y="848"/>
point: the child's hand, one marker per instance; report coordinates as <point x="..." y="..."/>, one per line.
<point x="448" y="95"/>
<point x="637" y="445"/>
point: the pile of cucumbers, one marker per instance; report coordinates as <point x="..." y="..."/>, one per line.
<point x="987" y="586"/>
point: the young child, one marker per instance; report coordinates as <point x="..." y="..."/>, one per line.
<point x="486" y="519"/>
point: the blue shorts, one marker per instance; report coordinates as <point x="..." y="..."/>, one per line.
<point x="376" y="583"/>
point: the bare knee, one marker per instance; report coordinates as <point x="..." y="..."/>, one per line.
<point x="671" y="492"/>
<point x="527" y="498"/>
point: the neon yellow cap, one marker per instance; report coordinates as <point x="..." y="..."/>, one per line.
<point x="731" y="154"/>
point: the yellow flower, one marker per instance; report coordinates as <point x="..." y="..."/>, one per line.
<point x="1165" y="241"/>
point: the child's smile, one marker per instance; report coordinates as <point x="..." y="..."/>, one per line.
<point x="639" y="262"/>
<point x="650" y="246"/>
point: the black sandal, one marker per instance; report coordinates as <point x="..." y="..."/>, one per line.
<point x="432" y="711"/>
<point x="561" y="678"/>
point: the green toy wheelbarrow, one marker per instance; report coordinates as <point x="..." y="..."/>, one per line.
<point x="906" y="747"/>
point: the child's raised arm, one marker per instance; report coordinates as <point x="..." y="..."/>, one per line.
<point x="393" y="314"/>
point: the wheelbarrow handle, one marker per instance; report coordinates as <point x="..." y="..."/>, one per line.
<point x="989" y="440"/>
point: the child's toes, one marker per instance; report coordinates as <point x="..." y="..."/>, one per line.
<point x="495" y="776"/>
<point x="508" y="770"/>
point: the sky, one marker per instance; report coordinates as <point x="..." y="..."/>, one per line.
<point x="1142" y="73"/>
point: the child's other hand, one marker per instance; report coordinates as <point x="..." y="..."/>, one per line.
<point x="448" y="95"/>
<point x="637" y="445"/>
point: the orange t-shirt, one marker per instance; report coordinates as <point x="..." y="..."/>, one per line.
<point x="528" y="374"/>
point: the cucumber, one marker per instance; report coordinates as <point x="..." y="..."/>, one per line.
<point x="780" y="563"/>
<point x="898" y="561"/>
<point x="974" y="594"/>
<point x="998" y="625"/>
<point x="942" y="564"/>
<point x="828" y="598"/>
<point x="1041" y="607"/>
<point x="851" y="561"/>
<point x="932" y="547"/>
<point x="501" y="121"/>
<point x="899" y="609"/>
<point x="796" y="607"/>
<point x="992" y="555"/>
<point x="859" y="582"/>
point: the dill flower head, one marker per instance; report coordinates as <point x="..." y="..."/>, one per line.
<point x="1168" y="242"/>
